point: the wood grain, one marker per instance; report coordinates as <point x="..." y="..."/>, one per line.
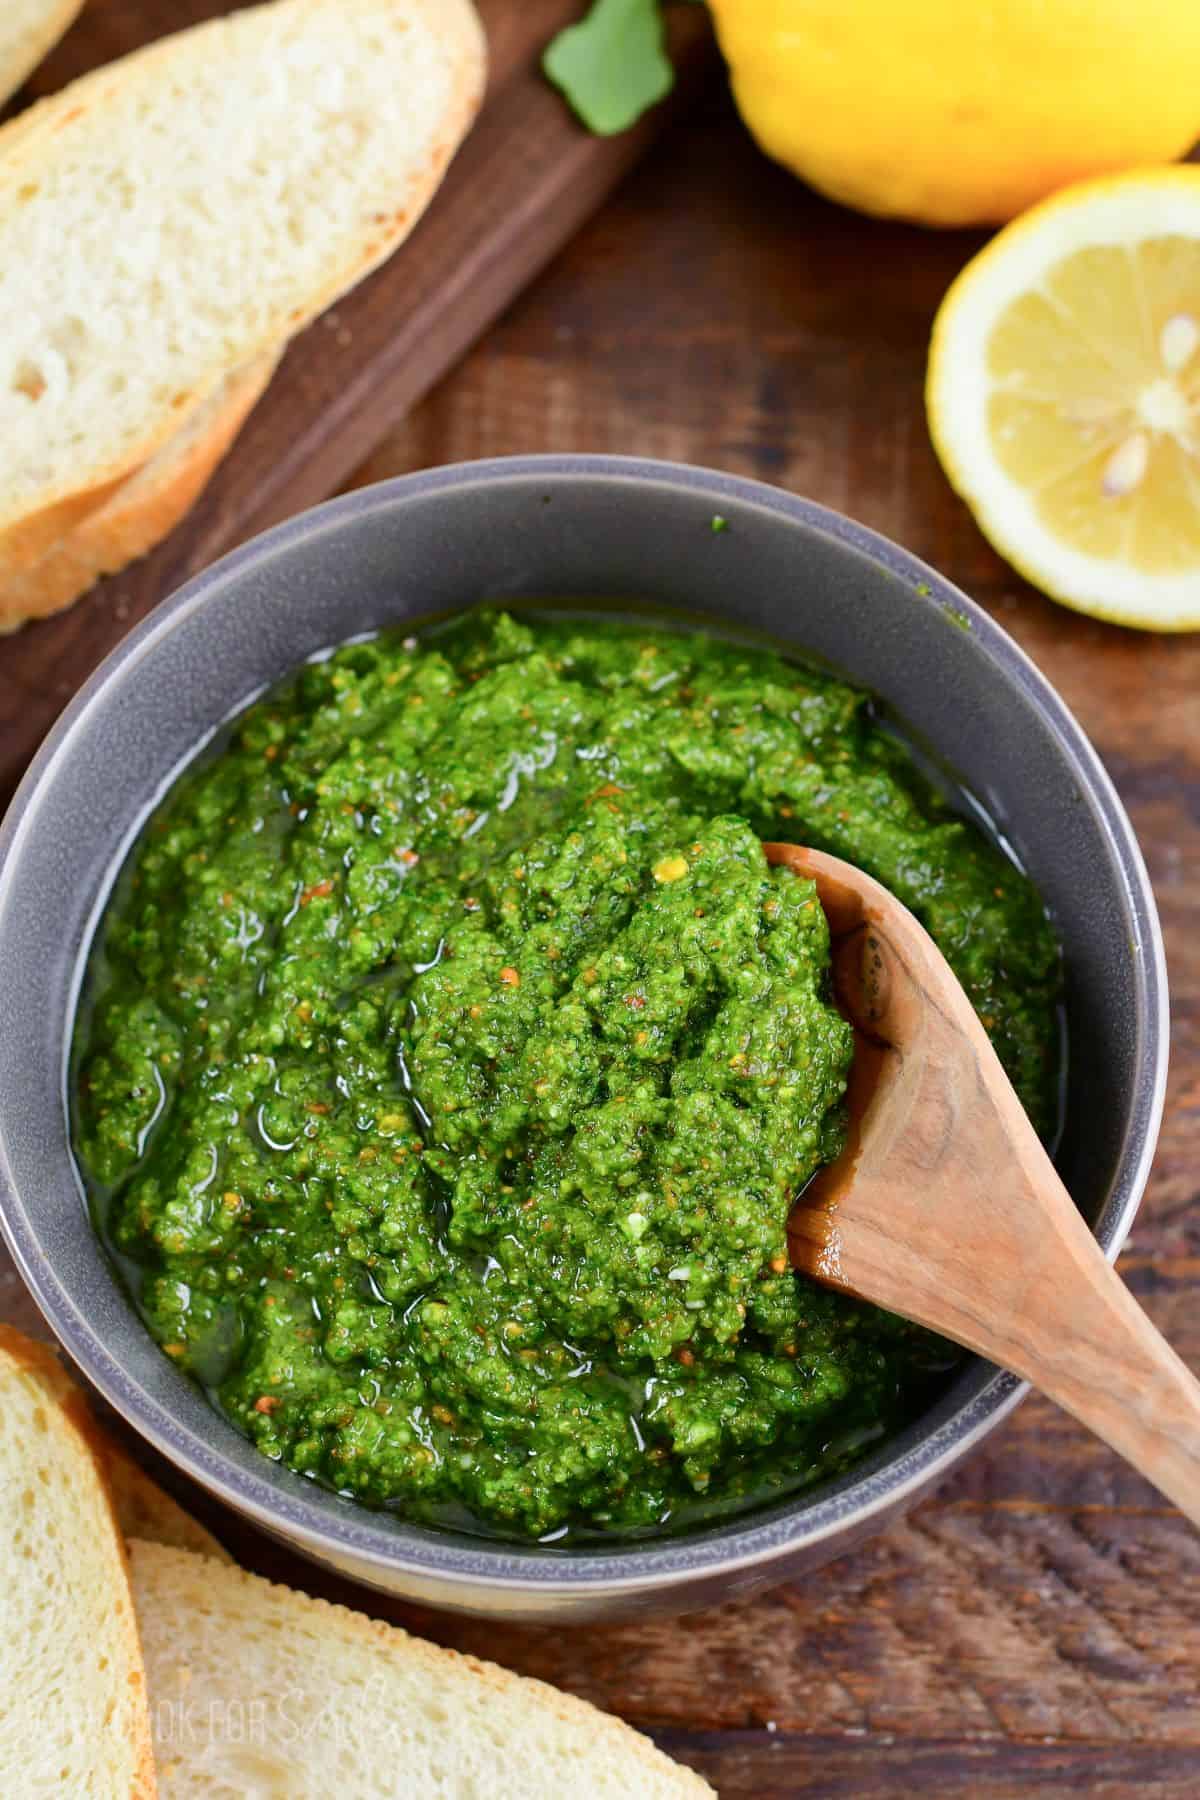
<point x="884" y="1769"/>
<point x="1034" y="1628"/>
<point x="522" y="184"/>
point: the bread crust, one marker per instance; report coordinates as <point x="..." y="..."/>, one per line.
<point x="146" y="1511"/>
<point x="29" y="531"/>
<point x="137" y="1501"/>
<point x="140" y="511"/>
<point x="39" y="37"/>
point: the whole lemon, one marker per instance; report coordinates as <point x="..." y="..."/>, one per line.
<point x="963" y="112"/>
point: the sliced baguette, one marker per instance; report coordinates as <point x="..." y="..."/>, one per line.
<point x="169" y="219"/>
<point x="144" y="1510"/>
<point x="141" y="510"/>
<point x="256" y="1689"/>
<point x="28" y="28"/>
<point x="73" y="1714"/>
<point x="141" y="1507"/>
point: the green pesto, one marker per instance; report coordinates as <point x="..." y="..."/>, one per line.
<point x="450" y="1059"/>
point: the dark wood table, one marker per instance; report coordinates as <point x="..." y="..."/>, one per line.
<point x="1035" y="1626"/>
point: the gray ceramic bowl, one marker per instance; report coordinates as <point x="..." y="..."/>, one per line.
<point x="547" y="527"/>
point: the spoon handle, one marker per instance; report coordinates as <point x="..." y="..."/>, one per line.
<point x="977" y="1238"/>
<point x="997" y="1255"/>
<point x="1090" y="1347"/>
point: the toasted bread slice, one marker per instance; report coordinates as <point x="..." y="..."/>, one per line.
<point x="141" y="511"/>
<point x="28" y="28"/>
<point x="73" y="1713"/>
<point x="169" y="219"/>
<point x="258" y="1689"/>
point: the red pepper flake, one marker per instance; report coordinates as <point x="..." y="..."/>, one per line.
<point x="510" y="978"/>
<point x="316" y="1106"/>
<point x="635" y="1001"/>
<point x="409" y="857"/>
<point x="608" y="792"/>
<point x="267" y="1403"/>
<point x="320" y="890"/>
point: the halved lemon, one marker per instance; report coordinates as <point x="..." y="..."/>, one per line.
<point x="1064" y="396"/>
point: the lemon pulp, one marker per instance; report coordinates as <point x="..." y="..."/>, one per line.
<point x="1095" y="408"/>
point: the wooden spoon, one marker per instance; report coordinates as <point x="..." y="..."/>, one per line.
<point x="945" y="1207"/>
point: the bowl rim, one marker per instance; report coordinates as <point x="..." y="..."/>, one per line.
<point x="784" y="1527"/>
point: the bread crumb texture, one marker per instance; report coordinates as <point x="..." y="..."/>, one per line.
<point x="257" y="1689"/>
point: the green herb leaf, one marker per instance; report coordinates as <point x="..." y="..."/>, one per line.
<point x="612" y="67"/>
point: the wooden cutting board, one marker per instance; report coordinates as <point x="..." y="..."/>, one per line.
<point x="523" y="183"/>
